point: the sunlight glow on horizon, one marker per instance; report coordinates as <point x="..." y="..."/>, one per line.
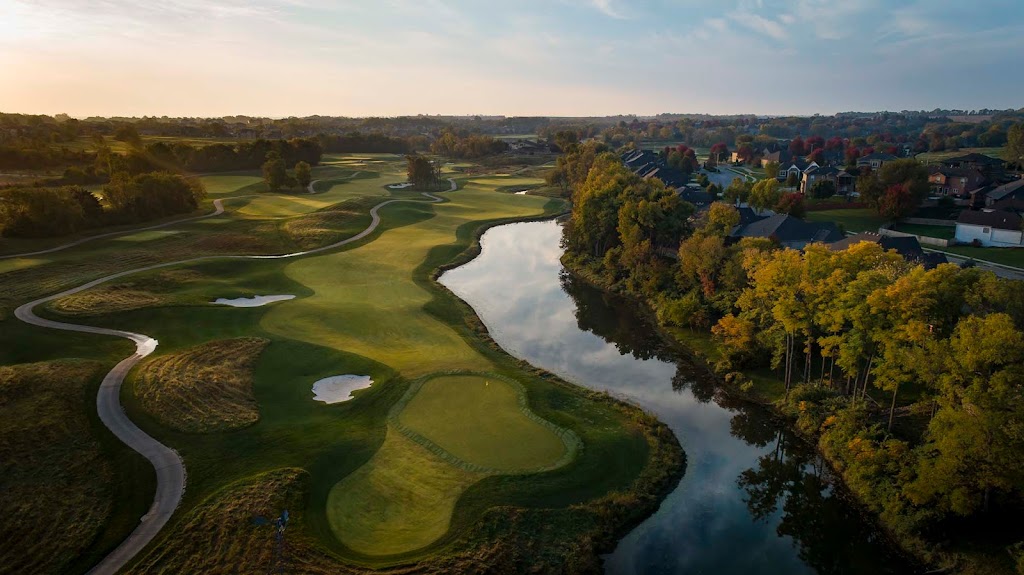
<point x="282" y="58"/>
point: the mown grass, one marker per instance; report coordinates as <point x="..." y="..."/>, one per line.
<point x="941" y="232"/>
<point x="58" y="477"/>
<point x="852" y="220"/>
<point x="372" y="309"/>
<point x="1013" y="257"/>
<point x="478" y="420"/>
<point x="932" y="157"/>
<point x="203" y="389"/>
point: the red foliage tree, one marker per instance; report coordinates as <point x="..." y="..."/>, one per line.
<point x="797" y="146"/>
<point x="792" y="204"/>
<point x="814" y="143"/>
<point x="834" y="143"/>
<point x="897" y="202"/>
<point x="818" y="155"/>
<point x="852" y="154"/>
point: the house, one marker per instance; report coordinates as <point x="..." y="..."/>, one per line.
<point x="960" y="182"/>
<point x="671" y="177"/>
<point x="908" y="247"/>
<point x="990" y="167"/>
<point x="796" y="167"/>
<point x="990" y="229"/>
<point x="778" y="156"/>
<point x="788" y="231"/>
<point x="844" y="182"/>
<point x="749" y="216"/>
<point x="1011" y="191"/>
<point x="699" y="198"/>
<point x="875" y="160"/>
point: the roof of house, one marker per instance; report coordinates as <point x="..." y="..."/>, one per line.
<point x="1000" y="220"/>
<point x="1011" y="204"/>
<point x="953" y="172"/>
<point x="786" y="228"/>
<point x="974" y="157"/>
<point x="748" y="216"/>
<point x="1014" y="189"/>
<point x="823" y="172"/>
<point x="697" y="197"/>
<point x="877" y="156"/>
<point x="669" y="176"/>
<point x="907" y="246"/>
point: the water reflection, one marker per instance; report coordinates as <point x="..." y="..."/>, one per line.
<point x="753" y="500"/>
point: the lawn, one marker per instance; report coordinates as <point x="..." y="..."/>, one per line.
<point x="1013" y="257"/>
<point x="931" y="157"/>
<point x="490" y="431"/>
<point x="372" y="495"/>
<point x="852" y="220"/>
<point x="941" y="232"/>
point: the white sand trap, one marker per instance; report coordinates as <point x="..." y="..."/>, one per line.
<point x="400" y="186"/>
<point x="255" y="301"/>
<point x="339" y="388"/>
<point x="522" y="192"/>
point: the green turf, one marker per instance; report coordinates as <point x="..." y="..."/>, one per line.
<point x="376" y="495"/>
<point x="478" y="419"/>
<point x="1013" y="257"/>
<point x="931" y="157"/>
<point x="852" y="220"/>
<point x="940" y="232"/>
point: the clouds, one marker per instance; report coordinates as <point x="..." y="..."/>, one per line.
<point x="531" y="57"/>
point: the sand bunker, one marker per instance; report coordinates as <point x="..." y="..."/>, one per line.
<point x="339" y="388"/>
<point x="255" y="301"/>
<point x="400" y="186"/>
<point x="522" y="192"/>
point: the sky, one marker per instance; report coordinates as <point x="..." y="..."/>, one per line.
<point x="282" y="58"/>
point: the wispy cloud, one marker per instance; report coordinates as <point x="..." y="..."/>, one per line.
<point x="608" y="8"/>
<point x="761" y="25"/>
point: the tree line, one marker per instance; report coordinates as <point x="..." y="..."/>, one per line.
<point x="50" y="212"/>
<point x="911" y="380"/>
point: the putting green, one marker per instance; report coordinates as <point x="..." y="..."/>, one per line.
<point x="482" y="420"/>
<point x="399" y="501"/>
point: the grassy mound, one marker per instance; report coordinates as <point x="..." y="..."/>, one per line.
<point x="55" y="494"/>
<point x="400" y="501"/>
<point x="203" y="389"/>
<point x="222" y="535"/>
<point x="479" y="420"/>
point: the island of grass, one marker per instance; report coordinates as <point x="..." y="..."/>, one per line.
<point x="553" y="475"/>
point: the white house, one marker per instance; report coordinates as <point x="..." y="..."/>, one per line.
<point x="991" y="229"/>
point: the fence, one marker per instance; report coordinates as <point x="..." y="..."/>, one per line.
<point x="925" y="240"/>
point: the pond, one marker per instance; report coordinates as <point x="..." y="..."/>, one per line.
<point x="754" y="498"/>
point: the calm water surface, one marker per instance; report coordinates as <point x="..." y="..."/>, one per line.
<point x="753" y="499"/>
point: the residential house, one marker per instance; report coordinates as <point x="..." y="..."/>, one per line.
<point x="796" y="167"/>
<point x="908" y="247"/>
<point x="959" y="182"/>
<point x="778" y="156"/>
<point x="875" y="160"/>
<point x="698" y="197"/>
<point x="1011" y="191"/>
<point x="788" y="231"/>
<point x="844" y="182"/>
<point x="990" y="229"/>
<point x="993" y="169"/>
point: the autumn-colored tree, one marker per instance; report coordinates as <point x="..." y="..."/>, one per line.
<point x="896" y="203"/>
<point x="765" y="194"/>
<point x="303" y="174"/>
<point x="797" y="146"/>
<point x="792" y="204"/>
<point x="817" y="156"/>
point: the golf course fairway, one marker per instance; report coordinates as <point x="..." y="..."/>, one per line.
<point x="455" y="451"/>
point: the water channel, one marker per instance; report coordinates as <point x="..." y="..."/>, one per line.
<point x="754" y="499"/>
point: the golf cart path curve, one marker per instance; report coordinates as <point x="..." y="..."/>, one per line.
<point x="170" y="470"/>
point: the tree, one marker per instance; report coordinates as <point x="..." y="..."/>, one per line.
<point x="974" y="443"/>
<point x="275" y="174"/>
<point x="720" y="152"/>
<point x="765" y="194"/>
<point x="870" y="188"/>
<point x="419" y="171"/>
<point x="1015" y="144"/>
<point x="303" y="174"/>
<point x="823" y="189"/>
<point x="817" y="156"/>
<point x="896" y="203"/>
<point x="797" y="146"/>
<point x="720" y="220"/>
<point x="792" y="180"/>
<point x="792" y="204"/>
<point x="771" y="169"/>
<point x="738" y="191"/>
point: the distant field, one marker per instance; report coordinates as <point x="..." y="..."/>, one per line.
<point x="853" y="220"/>
<point x="929" y="157"/>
